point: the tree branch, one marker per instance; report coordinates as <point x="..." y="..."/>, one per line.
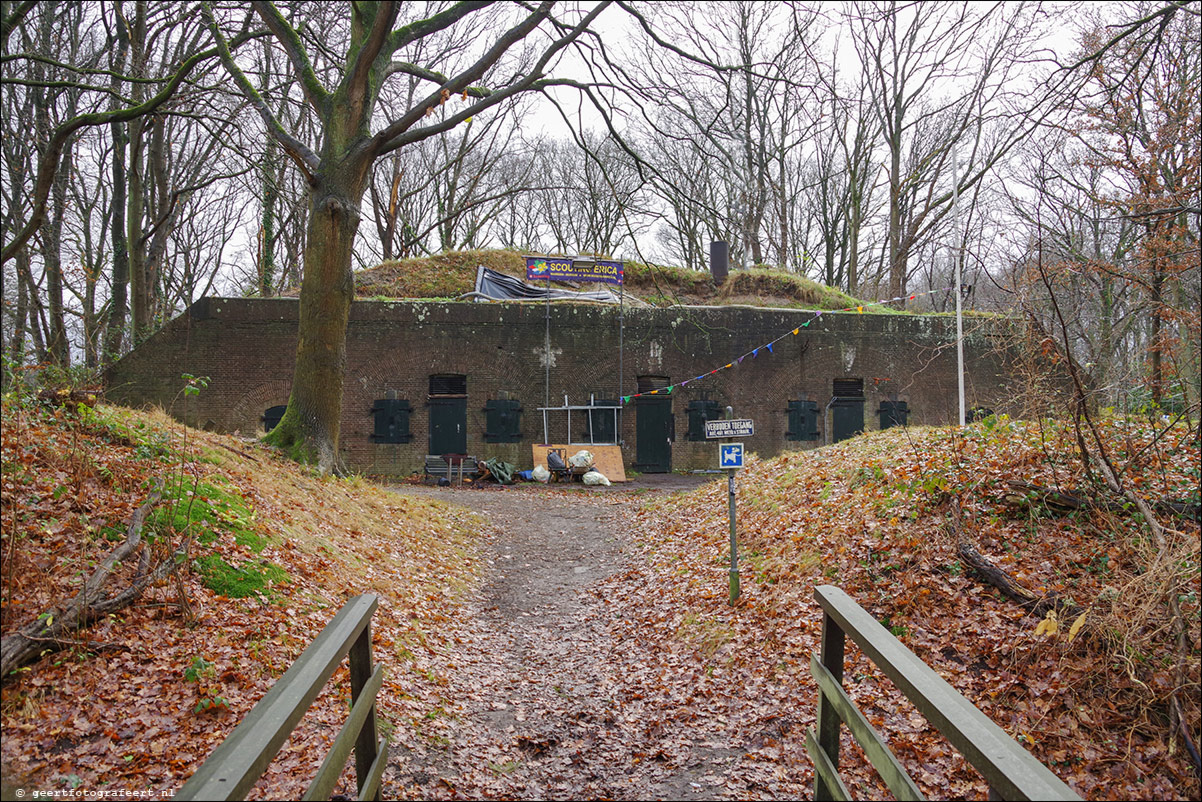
<point x="1164" y="14"/>
<point x="365" y="55"/>
<point x="305" y="158"/>
<point x="289" y="39"/>
<point x="47" y="165"/>
<point x="445" y="19"/>
<point x="394" y="136"/>
<point x="9" y="23"/>
<point x="430" y="75"/>
<point x="88" y="603"/>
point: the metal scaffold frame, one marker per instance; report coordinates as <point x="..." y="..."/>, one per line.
<point x="592" y="406"/>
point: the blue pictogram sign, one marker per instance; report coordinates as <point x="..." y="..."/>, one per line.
<point x="730" y="455"/>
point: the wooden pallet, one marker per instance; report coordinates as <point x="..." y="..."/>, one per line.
<point x="608" y="458"/>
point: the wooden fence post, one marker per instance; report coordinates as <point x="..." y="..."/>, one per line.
<point x="828" y="717"/>
<point x="365" y="744"/>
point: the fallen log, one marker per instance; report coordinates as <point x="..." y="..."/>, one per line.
<point x="45" y="633"/>
<point x="1011" y="588"/>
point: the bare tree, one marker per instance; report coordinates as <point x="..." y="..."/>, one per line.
<point x="733" y="113"/>
<point x="943" y="77"/>
<point x="343" y="94"/>
<point x="1111" y="192"/>
<point x="91" y="78"/>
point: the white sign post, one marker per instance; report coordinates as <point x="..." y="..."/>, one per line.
<point x="730" y="457"/>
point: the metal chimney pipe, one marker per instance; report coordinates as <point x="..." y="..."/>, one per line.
<point x="719" y="261"/>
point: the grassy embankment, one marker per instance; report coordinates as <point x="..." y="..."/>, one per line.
<point x="452" y="274"/>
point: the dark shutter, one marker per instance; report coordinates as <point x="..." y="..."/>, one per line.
<point x="893" y="413"/>
<point x="391" y="421"/>
<point x="803" y="421"/>
<point x="601" y="428"/>
<point x="503" y="421"/>
<point x="648" y="383"/>
<point x="699" y="412"/>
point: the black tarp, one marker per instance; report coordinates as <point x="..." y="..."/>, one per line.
<point x="494" y="286"/>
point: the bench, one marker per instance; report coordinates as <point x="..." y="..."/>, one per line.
<point x="450" y="465"/>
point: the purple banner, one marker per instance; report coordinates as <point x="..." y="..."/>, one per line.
<point x="560" y="268"/>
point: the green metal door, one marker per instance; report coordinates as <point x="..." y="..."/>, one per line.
<point x="847" y="418"/>
<point x="448" y="426"/>
<point x="653" y="430"/>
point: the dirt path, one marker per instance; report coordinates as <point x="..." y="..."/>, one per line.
<point x="536" y="684"/>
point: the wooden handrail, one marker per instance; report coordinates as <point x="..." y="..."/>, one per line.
<point x="1012" y="773"/>
<point x="240" y="760"/>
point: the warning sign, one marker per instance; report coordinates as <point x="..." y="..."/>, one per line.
<point x="728" y="428"/>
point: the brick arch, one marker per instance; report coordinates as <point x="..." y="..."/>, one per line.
<point x="247" y="412"/>
<point x="451" y="364"/>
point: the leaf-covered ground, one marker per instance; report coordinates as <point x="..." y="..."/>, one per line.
<point x="872" y="516"/>
<point x="145" y="695"/>
<point x="579" y="644"/>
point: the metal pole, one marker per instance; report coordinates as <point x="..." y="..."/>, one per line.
<point x="826" y="421"/>
<point x="622" y="351"/>
<point x="959" y="257"/>
<point x="547" y="346"/>
<point x="734" y="546"/>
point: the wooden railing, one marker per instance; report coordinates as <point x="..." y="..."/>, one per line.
<point x="1011" y="772"/>
<point x="240" y="760"/>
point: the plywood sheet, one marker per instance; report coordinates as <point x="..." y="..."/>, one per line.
<point x="608" y="458"/>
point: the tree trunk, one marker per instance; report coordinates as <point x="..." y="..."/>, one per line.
<point x="139" y="298"/>
<point x="92" y="325"/>
<point x="309" y="429"/>
<point x="36" y="313"/>
<point x="1157" y="334"/>
<point x="52" y="242"/>
<point x="16" y="345"/>
<point x="114" y="336"/>
<point x="271" y="196"/>
<point x="897" y="268"/>
<point x="164" y="212"/>
<point x="138" y="306"/>
<point x="51" y="228"/>
<point x="853" y="234"/>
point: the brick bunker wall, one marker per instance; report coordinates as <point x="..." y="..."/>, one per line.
<point x="246" y="347"/>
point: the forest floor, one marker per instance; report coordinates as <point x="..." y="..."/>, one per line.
<point x="565" y="642"/>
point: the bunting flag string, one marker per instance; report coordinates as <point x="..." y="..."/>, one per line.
<point x="754" y="352"/>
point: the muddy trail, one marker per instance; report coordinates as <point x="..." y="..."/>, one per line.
<point x="545" y="698"/>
